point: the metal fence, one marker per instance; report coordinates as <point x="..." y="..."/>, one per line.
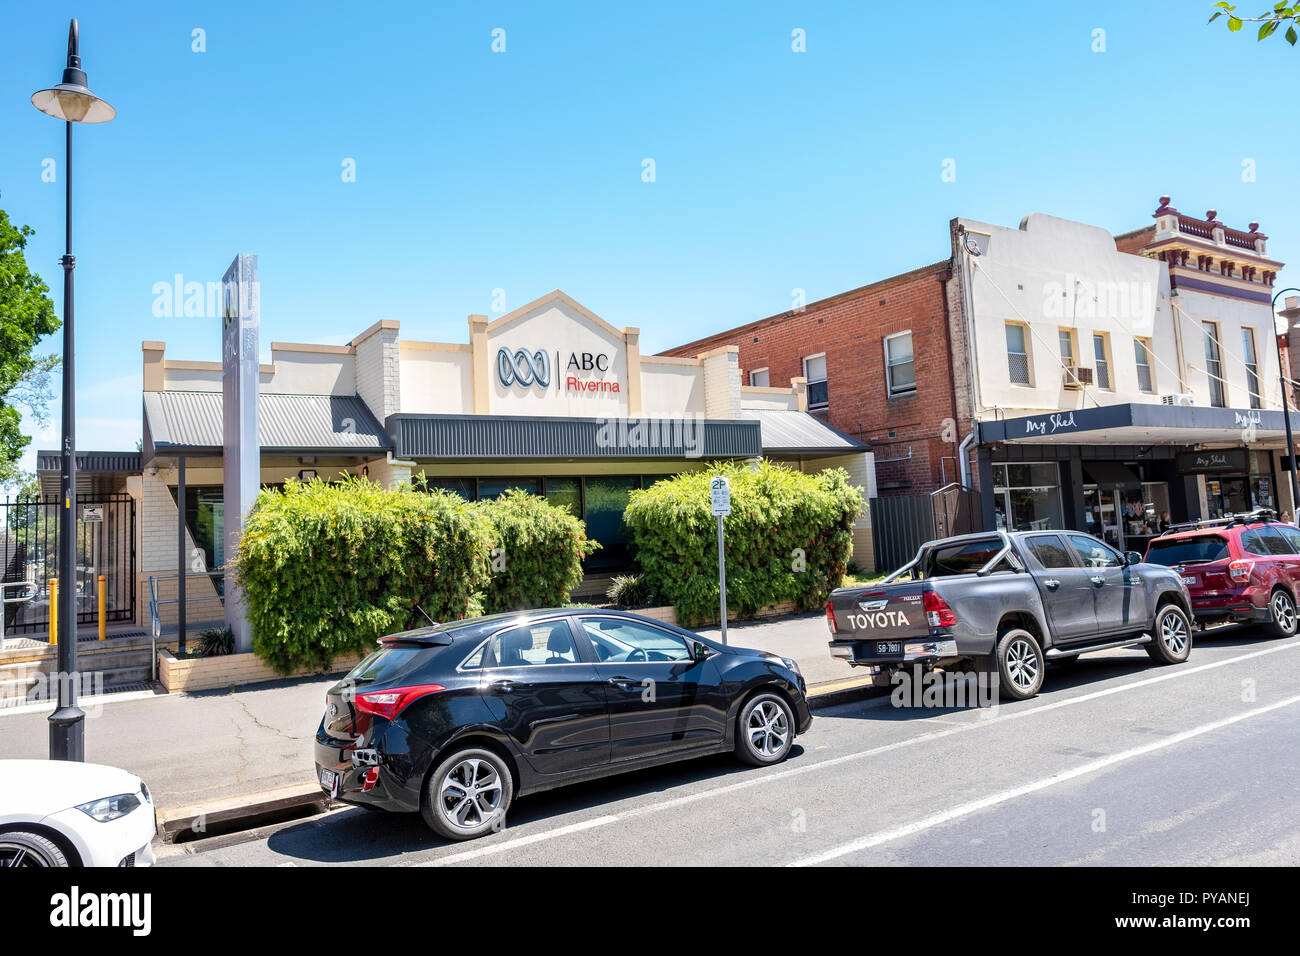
<point x="29" y="551"/>
<point x="900" y="524"/>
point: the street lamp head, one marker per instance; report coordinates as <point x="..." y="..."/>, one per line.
<point x="72" y="100"/>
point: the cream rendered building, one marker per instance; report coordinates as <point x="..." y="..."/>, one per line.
<point x="1116" y="379"/>
<point x="550" y="398"/>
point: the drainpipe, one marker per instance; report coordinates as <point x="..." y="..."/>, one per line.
<point x="963" y="459"/>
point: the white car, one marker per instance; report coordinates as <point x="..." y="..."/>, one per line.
<point x="66" y="813"/>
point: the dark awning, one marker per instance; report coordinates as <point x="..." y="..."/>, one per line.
<point x="486" y="437"/>
<point x="1109" y="474"/>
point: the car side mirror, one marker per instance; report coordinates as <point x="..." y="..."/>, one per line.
<point x="700" y="651"/>
<point x="1131" y="558"/>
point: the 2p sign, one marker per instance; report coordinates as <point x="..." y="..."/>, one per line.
<point x="720" y="495"/>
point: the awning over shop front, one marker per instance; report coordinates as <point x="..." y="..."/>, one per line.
<point x="1110" y="474"/>
<point x="1136" y="423"/>
<point x="190" y="423"/>
<point x="523" y="437"/>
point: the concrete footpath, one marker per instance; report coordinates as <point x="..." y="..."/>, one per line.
<point x="220" y="747"/>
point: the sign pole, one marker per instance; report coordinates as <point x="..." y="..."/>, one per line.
<point x="722" y="580"/>
<point x="720" y="505"/>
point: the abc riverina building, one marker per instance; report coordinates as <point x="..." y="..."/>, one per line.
<point x="549" y="398"/>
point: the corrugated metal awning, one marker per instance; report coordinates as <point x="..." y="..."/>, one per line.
<point x="486" y="437"/>
<point x="190" y="422"/>
<point x="97" y="462"/>
<point x="792" y="432"/>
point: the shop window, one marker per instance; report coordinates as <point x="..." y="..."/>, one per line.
<point x="1142" y="355"/>
<point x="1018" y="353"/>
<point x="565" y="493"/>
<point x="814" y="369"/>
<point x="606" y="498"/>
<point x="760" y="378"/>
<point x="496" y="487"/>
<point x="900" y="368"/>
<point x="1252" y="366"/>
<point x="458" y="486"/>
<point x="1213" y="363"/>
<point x="1027" y="497"/>
<point x="1101" y="356"/>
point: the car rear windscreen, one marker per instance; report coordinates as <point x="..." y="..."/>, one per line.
<point x="1198" y="550"/>
<point x="384" y="663"/>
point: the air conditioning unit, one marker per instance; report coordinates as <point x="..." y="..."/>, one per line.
<point x="1077" y="376"/>
<point x="1182" y="398"/>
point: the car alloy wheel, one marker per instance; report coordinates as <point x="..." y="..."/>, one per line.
<point x="1282" y="611"/>
<point x="1173" y="636"/>
<point x="1173" y="633"/>
<point x="1022" y="663"/>
<point x="766" y="730"/>
<point x="469" y="795"/>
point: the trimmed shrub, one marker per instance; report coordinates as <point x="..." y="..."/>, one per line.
<point x="788" y="538"/>
<point x="537" y="552"/>
<point x="328" y="568"/>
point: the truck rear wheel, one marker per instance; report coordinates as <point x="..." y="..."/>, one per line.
<point x="1020" y="664"/>
<point x="1172" y="641"/>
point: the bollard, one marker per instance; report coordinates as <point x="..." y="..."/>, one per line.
<point x="103" y="605"/>
<point x="54" y="611"/>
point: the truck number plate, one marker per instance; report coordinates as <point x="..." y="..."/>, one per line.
<point x="889" y="647"/>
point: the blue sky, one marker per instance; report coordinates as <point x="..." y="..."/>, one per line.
<point x="522" y="170"/>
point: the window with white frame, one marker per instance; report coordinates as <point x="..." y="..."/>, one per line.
<point x="814" y="369"/>
<point x="1142" y="355"/>
<point x="1252" y="365"/>
<point x="1101" y="355"/>
<point x="1018" y="353"/>
<point x="900" y="368"/>
<point x="760" y="378"/>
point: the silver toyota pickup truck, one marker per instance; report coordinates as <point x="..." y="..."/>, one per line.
<point x="1007" y="603"/>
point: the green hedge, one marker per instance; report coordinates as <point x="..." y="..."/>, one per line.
<point x="537" y="552"/>
<point x="774" y="511"/>
<point x="328" y="568"/>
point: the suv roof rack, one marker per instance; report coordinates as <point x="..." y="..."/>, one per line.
<point x="1258" y="516"/>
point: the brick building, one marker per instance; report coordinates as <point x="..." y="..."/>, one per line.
<point x="878" y="365"/>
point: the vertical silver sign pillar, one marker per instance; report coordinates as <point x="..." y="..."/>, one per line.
<point x="239" y="367"/>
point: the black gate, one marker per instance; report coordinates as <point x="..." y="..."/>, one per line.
<point x="29" y="552"/>
<point x="900" y="524"/>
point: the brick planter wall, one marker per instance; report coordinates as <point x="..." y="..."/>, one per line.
<point x="207" y="673"/>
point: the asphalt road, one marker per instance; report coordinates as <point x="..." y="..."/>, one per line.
<point x="1117" y="762"/>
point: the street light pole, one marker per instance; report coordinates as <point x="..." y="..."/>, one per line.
<point x="1290" y="313"/>
<point x="72" y="102"/>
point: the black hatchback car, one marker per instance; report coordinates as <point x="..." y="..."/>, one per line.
<point x="456" y="720"/>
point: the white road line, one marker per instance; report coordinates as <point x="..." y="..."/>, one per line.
<point x="757" y="780"/>
<point x="517" y="842"/>
<point x="965" y="809"/>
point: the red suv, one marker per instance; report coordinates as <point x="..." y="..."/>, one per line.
<point x="1240" y="568"/>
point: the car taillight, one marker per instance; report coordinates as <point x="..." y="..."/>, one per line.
<point x="369" y="780"/>
<point x="830" y="618"/>
<point x="388" y="703"/>
<point x="1240" y="570"/>
<point x="937" y="611"/>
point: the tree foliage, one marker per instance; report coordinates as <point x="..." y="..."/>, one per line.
<point x="788" y="538"/>
<point x="1270" y="21"/>
<point x="26" y="314"/>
